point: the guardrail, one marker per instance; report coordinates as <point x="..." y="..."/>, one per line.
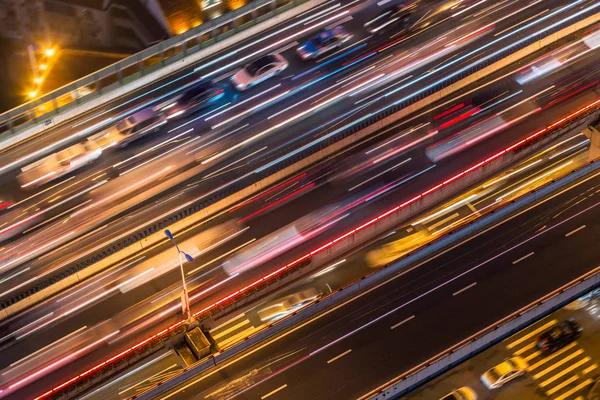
<point x="486" y="337"/>
<point x="327" y="146"/>
<point x="45" y="111"/>
<point x="261" y="284"/>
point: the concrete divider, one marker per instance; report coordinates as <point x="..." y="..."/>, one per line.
<point x="345" y="294"/>
<point x="51" y="123"/>
<point x="306" y="162"/>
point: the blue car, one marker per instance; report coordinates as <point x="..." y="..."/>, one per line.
<point x="324" y="42"/>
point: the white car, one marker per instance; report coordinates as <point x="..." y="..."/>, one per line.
<point x="259" y="70"/>
<point x="462" y="393"/>
<point x="504" y="372"/>
<point x="287" y="305"/>
<point x="135" y="126"/>
<point x="58" y="164"/>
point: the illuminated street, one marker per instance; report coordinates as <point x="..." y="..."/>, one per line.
<point x="288" y="164"/>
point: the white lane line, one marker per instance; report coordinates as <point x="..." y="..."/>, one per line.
<point x="575" y="231"/>
<point x="286" y="47"/>
<point x="339" y="356"/>
<point x="522" y="258"/>
<point x="273" y="392"/>
<point x="402" y="322"/>
<point x="465" y="288"/>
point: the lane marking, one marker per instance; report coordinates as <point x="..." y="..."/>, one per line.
<point x="558" y="364"/>
<point x="550" y="357"/>
<point x="465" y="288"/>
<point x="563" y="373"/>
<point x="561" y="385"/>
<point x="231" y="329"/>
<point x="575" y="389"/>
<point x="339" y="356"/>
<point x="530" y="334"/>
<point x="524" y="349"/>
<point x="524" y="257"/>
<point x="227" y="322"/>
<point x="532" y="356"/>
<point x="402" y="322"/>
<point x="575" y="231"/>
<point x="590" y="368"/>
<point x="273" y="392"/>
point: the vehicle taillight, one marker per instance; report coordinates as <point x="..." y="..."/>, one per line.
<point x="218" y="92"/>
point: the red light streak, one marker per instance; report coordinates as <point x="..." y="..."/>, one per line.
<point x="459" y="118"/>
<point x="275" y="203"/>
<point x="448" y="111"/>
<point x="281" y="269"/>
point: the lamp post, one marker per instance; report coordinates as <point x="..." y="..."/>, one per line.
<point x="186" y="298"/>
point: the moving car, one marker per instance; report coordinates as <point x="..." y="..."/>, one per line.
<point x="196" y="98"/>
<point x="392" y="251"/>
<point x="259" y="70"/>
<point x="504" y="372"/>
<point x="58" y="164"/>
<point x="135" y="126"/>
<point x="5" y="202"/>
<point x="395" y="19"/>
<point x="559" y="336"/>
<point x="287" y="305"/>
<point x="324" y="42"/>
<point x="463" y="393"/>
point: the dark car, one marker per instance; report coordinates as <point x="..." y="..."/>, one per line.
<point x="197" y="98"/>
<point x="394" y="19"/>
<point x="559" y="336"/>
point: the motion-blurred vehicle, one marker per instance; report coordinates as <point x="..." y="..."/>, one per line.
<point x="259" y="70"/>
<point x="58" y="164"/>
<point x="394" y="19"/>
<point x="559" y="336"/>
<point x="396" y="249"/>
<point x="504" y="372"/>
<point x="17" y="220"/>
<point x="462" y="393"/>
<point x="429" y="17"/>
<point x="199" y="97"/>
<point x="5" y="202"/>
<point x="135" y="126"/>
<point x="323" y="43"/>
<point x="287" y="305"/>
<point x="283" y="239"/>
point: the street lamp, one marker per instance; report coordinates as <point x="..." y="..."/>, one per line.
<point x="186" y="298"/>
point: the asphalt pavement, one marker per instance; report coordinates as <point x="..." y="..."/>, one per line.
<point x="363" y="343"/>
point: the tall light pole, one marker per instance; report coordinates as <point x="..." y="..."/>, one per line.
<point x="186" y="297"/>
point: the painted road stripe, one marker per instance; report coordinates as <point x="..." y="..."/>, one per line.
<point x="339" y="356"/>
<point x="575" y="231"/>
<point x="530" y="334"/>
<point x="524" y="257"/>
<point x="565" y="371"/>
<point x="590" y="368"/>
<point x="273" y="392"/>
<point x="558" y="364"/>
<point x="561" y="385"/>
<point x="524" y="349"/>
<point x="550" y="357"/>
<point x="216" y="328"/>
<point x="532" y="356"/>
<point x="465" y="288"/>
<point x="574" y="390"/>
<point x="402" y="322"/>
<point x="231" y="329"/>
